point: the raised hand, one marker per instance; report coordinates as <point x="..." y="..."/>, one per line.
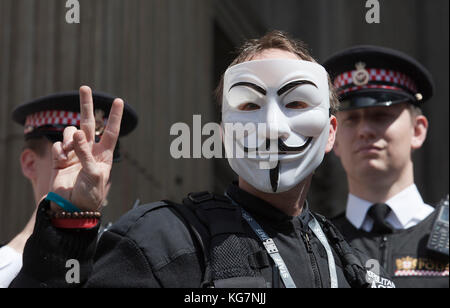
<point x="81" y="167"/>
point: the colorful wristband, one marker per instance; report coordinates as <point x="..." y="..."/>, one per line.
<point x="61" y="202"/>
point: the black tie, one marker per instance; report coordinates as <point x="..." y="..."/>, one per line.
<point x="378" y="212"/>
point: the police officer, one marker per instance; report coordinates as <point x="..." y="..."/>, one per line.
<point x="261" y="233"/>
<point x="44" y="121"/>
<point x="381" y="124"/>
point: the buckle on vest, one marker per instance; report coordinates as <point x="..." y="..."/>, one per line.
<point x="200" y="197"/>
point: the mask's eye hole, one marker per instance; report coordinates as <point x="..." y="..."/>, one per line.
<point x="297" y="105"/>
<point x="248" y="107"/>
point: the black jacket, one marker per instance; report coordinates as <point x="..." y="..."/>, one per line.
<point x="151" y="246"/>
<point x="403" y="254"/>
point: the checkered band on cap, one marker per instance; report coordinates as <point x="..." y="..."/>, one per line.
<point x="52" y="117"/>
<point x="396" y="81"/>
<point x="58" y="118"/>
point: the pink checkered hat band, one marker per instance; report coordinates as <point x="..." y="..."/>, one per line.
<point x="52" y="117"/>
<point x="377" y="75"/>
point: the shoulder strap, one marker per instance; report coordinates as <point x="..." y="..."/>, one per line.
<point x="354" y="271"/>
<point x="228" y="252"/>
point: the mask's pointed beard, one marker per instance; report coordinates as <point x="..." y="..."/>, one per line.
<point x="275" y="176"/>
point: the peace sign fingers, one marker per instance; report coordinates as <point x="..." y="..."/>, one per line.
<point x="112" y="130"/>
<point x="87" y="120"/>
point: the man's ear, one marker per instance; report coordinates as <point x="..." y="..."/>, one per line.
<point x="332" y="135"/>
<point x="28" y="160"/>
<point x="420" y="132"/>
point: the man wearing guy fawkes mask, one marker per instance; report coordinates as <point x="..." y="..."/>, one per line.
<point x="288" y="103"/>
<point x="261" y="232"/>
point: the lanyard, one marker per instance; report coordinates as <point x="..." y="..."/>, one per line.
<point x="273" y="252"/>
<point x="271" y="249"/>
<point x="317" y="230"/>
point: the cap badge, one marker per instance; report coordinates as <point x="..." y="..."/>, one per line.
<point x="361" y="76"/>
<point x="99" y="122"/>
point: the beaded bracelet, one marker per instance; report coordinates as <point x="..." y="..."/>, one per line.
<point x="74" y="215"/>
<point x="76" y="220"/>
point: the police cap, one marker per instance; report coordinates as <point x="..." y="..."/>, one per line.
<point x="48" y="116"/>
<point x="367" y="76"/>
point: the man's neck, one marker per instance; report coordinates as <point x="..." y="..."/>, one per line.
<point x="381" y="187"/>
<point x="290" y="202"/>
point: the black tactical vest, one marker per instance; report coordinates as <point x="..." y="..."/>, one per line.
<point x="216" y="225"/>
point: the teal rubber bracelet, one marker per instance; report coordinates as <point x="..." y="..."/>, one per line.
<point x="63" y="203"/>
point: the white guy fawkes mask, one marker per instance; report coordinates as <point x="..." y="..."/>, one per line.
<point x="283" y="106"/>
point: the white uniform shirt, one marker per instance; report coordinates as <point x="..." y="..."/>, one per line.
<point x="10" y="265"/>
<point x="408" y="209"/>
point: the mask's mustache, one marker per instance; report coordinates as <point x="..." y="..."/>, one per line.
<point x="283" y="148"/>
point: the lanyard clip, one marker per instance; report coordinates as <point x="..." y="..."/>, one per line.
<point x="270" y="246"/>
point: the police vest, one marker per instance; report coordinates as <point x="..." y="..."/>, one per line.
<point x="414" y="257"/>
